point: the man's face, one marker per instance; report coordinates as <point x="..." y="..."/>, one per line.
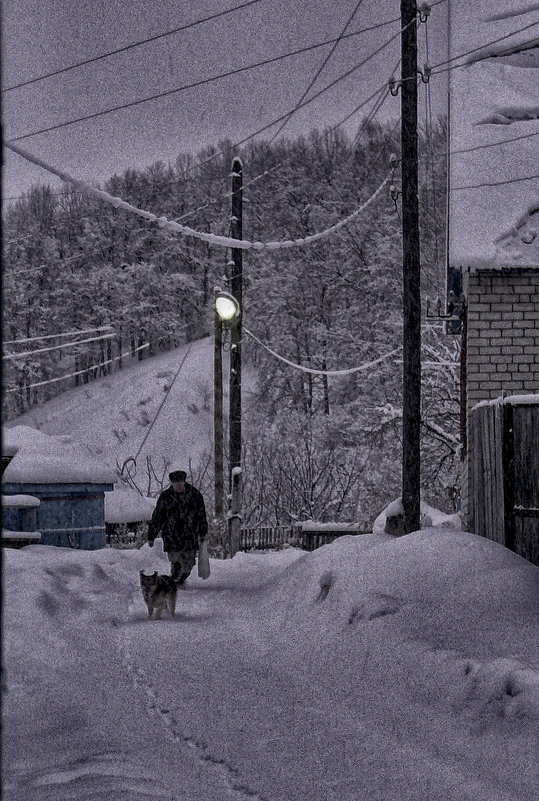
<point x="178" y="486"/>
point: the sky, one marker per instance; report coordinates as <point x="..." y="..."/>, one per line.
<point x="375" y="667"/>
<point x="46" y="35"/>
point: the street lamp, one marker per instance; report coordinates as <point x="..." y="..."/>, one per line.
<point x="226" y="305"/>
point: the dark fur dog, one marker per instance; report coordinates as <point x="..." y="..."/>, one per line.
<point x="158" y="591"/>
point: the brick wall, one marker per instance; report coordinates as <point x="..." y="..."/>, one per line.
<point x="503" y="340"/>
<point x="503" y="334"/>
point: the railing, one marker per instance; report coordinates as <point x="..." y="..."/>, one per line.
<point x="261" y="538"/>
<point x="268" y="537"/>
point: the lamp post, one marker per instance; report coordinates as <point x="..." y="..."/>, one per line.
<point x="227" y="312"/>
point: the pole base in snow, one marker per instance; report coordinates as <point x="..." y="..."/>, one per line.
<point x="395" y="525"/>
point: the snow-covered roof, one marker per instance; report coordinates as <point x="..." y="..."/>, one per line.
<point x="494" y="99"/>
<point x="20" y="535"/>
<point x="20" y="501"/>
<point x="124" y="505"/>
<point x="515" y="400"/>
<point x="311" y="525"/>
<point x="42" y="459"/>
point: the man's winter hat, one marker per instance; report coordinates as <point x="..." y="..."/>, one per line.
<point x="177" y="475"/>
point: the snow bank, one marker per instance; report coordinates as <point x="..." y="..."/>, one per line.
<point x="38" y="458"/>
<point x="429" y="517"/>
<point x="450" y="615"/>
<point x="380" y="667"/>
<point x="124" y="505"/>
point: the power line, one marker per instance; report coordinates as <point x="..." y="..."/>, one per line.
<point x="488" y="44"/>
<point x="130" y="46"/>
<point x="318" y="72"/>
<point x="303" y="369"/>
<point x="212" y="239"/>
<point x="56" y="347"/>
<point x="80" y="255"/>
<point x="195" y="84"/>
<point x="494" y="144"/>
<point x="495" y="183"/>
<point x="80" y="372"/>
<point x="54" y="336"/>
<point x="321" y="91"/>
<point x="167" y="393"/>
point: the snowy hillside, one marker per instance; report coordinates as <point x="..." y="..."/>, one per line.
<point x="112" y="416"/>
<point x="373" y="668"/>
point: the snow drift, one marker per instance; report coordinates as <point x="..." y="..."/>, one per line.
<point x="374" y="667"/>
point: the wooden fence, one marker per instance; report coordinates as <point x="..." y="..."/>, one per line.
<point x="309" y="537"/>
<point x="268" y="537"/>
<point x="133" y="535"/>
<point x="504" y="474"/>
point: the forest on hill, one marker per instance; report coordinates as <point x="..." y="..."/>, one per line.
<point x="315" y="446"/>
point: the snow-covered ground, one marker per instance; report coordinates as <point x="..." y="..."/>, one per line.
<point x="373" y="668"/>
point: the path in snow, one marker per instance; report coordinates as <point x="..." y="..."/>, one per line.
<point x="281" y="678"/>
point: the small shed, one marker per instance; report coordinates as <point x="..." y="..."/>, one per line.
<point x="19" y="527"/>
<point x="69" y="483"/>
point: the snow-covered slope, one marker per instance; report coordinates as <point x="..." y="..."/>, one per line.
<point x="374" y="668"/>
<point x="112" y="416"/>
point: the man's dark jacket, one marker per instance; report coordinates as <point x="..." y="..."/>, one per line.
<point x="180" y="518"/>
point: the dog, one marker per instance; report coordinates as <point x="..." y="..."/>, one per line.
<point x="158" y="591"/>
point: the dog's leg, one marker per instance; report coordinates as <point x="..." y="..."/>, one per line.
<point x="172" y="605"/>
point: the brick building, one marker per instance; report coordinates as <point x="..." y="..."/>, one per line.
<point x="500" y="358"/>
<point x="502" y="353"/>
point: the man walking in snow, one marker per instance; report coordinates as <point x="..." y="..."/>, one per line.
<point x="180" y="517"/>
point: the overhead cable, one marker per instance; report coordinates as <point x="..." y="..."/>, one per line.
<point x="318" y="72"/>
<point x="303" y="369"/>
<point x="56" y="347"/>
<point x="211" y="79"/>
<point x="493" y="144"/>
<point x="212" y="239"/>
<point x="54" y="336"/>
<point x="130" y="46"/>
<point x="167" y="393"/>
<point x="487" y="44"/>
<point x="80" y="372"/>
<point x="495" y="183"/>
<point x="80" y="255"/>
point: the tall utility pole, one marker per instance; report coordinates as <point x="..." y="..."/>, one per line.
<point x="218" y="416"/>
<point x="236" y="288"/>
<point x="411" y="395"/>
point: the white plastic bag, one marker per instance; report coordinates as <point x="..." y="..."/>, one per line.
<point x="203" y="560"/>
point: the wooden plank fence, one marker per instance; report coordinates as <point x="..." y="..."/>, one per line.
<point x="504" y="474"/>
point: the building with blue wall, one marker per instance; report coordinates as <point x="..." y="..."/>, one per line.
<point x="69" y="483"/>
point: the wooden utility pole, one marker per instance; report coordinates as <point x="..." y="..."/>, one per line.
<point x="411" y="395"/>
<point x="218" y="416"/>
<point x="236" y="288"/>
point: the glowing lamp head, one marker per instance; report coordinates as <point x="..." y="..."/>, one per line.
<point x="226" y="305"/>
